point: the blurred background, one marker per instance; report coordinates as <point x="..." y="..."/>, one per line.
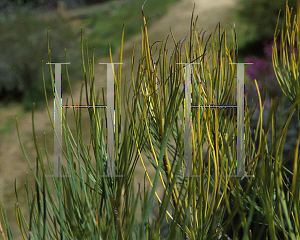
<point x="23" y="45"/>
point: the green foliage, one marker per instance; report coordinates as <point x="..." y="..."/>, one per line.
<point x="212" y="206"/>
<point x="9" y="4"/>
<point x="112" y="15"/>
<point x="287" y="62"/>
<point x="23" y="47"/>
<point x="260" y="18"/>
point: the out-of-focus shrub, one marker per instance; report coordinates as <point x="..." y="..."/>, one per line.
<point x="22" y="47"/>
<point x="260" y="18"/>
<point x="8" y="4"/>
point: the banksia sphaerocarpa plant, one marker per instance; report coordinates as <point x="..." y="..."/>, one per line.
<point x="213" y="205"/>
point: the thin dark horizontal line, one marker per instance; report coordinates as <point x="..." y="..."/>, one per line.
<point x="111" y="176"/>
<point x="208" y="106"/>
<point x="83" y="106"/>
<point x="188" y="176"/>
<point x="58" y="176"/>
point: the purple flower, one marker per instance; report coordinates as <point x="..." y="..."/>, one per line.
<point x="268" y="50"/>
<point x="260" y="68"/>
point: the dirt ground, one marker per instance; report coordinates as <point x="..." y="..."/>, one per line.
<point x="13" y="163"/>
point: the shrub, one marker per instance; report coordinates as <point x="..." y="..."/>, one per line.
<point x="214" y="205"/>
<point x="262" y="70"/>
<point x="23" y="47"/>
<point x="258" y="19"/>
<point x="52" y="4"/>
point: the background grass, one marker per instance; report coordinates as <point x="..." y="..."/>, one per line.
<point x="106" y="24"/>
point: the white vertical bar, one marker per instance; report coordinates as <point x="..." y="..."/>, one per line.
<point x="57" y="120"/>
<point x="240" y="170"/>
<point x="110" y="121"/>
<point x="187" y="122"/>
<point x="240" y="121"/>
